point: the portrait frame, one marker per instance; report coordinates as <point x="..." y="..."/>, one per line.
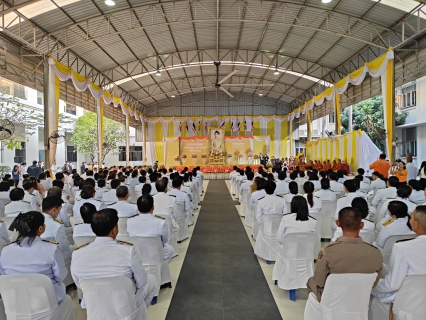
<point x="211" y="135"/>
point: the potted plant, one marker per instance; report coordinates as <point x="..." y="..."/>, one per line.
<point x="184" y="159"/>
<point x="204" y="158"/>
<point x="194" y="158"/>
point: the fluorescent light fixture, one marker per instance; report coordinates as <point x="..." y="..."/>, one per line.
<point x="276" y="72"/>
<point x="326" y="1"/>
<point x="173" y="95"/>
<point x="109" y="3"/>
<point x="158" y="73"/>
<point x="261" y="94"/>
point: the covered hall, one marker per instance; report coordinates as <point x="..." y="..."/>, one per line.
<point x="212" y="90"/>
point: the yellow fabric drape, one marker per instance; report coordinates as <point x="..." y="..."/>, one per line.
<point x="345" y="146"/>
<point x="308" y="119"/>
<point x="158" y="142"/>
<point x="270" y="131"/>
<point x="57" y="92"/>
<point x="389" y="108"/>
<point x="171" y="129"/>
<point x="284" y="139"/>
<point x="291" y="138"/>
<point x="101" y="109"/>
<point x="354" y="154"/>
<point x="256" y="128"/>
<point x="337" y="113"/>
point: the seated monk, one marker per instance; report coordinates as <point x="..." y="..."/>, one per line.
<point x="345" y="167"/>
<point x="334" y="167"/>
<point x="326" y="166"/>
<point x="319" y="165"/>
<point x="311" y="163"/>
<point x="339" y="164"/>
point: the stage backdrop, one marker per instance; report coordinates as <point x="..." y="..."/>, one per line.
<point x="235" y="146"/>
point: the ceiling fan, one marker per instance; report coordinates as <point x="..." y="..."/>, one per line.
<point x="220" y="84"/>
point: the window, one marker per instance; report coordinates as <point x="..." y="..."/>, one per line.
<point x="20" y="154"/>
<point x="408" y="97"/>
<point x="331" y="118"/>
<point x="70" y="108"/>
<point x="41" y="155"/>
<point x="12" y="88"/>
<point x="135" y="153"/>
<point x="39" y="98"/>
<point x="409" y="142"/>
<point x="19" y="90"/>
<point x="71" y="154"/>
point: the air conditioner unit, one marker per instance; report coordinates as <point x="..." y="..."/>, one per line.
<point x="315" y="132"/>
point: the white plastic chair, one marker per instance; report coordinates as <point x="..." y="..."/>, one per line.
<point x="244" y="200"/>
<point x="122" y="235"/>
<point x="248" y="220"/>
<point x="181" y="221"/>
<point x="409" y="301"/>
<point x="255" y="226"/>
<point x="111" y="298"/>
<point x="267" y="245"/>
<point x="76" y="220"/>
<point x="131" y="191"/>
<point x="295" y="262"/>
<point x="379" y="208"/>
<point x="346" y="296"/>
<point x="32" y="297"/>
<point x="150" y="251"/>
<point x="368" y="237"/>
<point x="172" y="234"/>
<point x="79" y="240"/>
<point x="318" y="227"/>
<point x="5" y="201"/>
<point x="328" y="209"/>
<point x="13" y="235"/>
<point x="387" y="250"/>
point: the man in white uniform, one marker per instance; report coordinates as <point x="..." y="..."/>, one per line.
<point x="270" y="204"/>
<point x="411" y="167"/>
<point x="389" y="193"/>
<point x="107" y="257"/>
<point x="232" y="177"/>
<point x="84" y="229"/>
<point x="164" y="203"/>
<point x="245" y="185"/>
<point x="110" y="196"/>
<point x="325" y="194"/>
<point x="336" y="187"/>
<point x="124" y="209"/>
<point x="181" y="197"/>
<point x="407" y="259"/>
<point x="153" y="177"/>
<point x="146" y="224"/>
<point x="29" y="197"/>
<point x="282" y="185"/>
<point x="346" y="201"/>
<point x="55" y="229"/>
<point x="17" y="205"/>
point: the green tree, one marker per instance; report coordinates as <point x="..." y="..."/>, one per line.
<point x="85" y="136"/>
<point x="368" y="116"/>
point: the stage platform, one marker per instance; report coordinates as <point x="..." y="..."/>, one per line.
<point x="218" y="171"/>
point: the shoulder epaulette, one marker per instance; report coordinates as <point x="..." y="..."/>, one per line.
<point x="388" y="222"/>
<point x="81" y="246"/>
<point x="312" y="217"/>
<point x="286" y="214"/>
<point x="50" y="241"/>
<point x="26" y="202"/>
<point x="172" y="195"/>
<point x="403" y="240"/>
<point x="31" y="194"/>
<point x="134" y="216"/>
<point x="9" y="243"/>
<point x="316" y="197"/>
<point x="279" y="195"/>
<point x="260" y="198"/>
<point x="112" y="204"/>
<point x="1" y="221"/>
<point x="97" y="200"/>
<point x="124" y="242"/>
<point x="58" y="221"/>
<point x="160" y="217"/>
<point x="77" y="224"/>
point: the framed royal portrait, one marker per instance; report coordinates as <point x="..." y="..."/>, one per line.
<point x="217" y="138"/>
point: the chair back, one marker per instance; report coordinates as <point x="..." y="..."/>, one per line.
<point x="255" y="226"/>
<point x="180" y="213"/>
<point x="288" y="206"/>
<point x="79" y="240"/>
<point x="5" y="201"/>
<point x="76" y="220"/>
<point x="299" y="246"/>
<point x="13" y="235"/>
<point x="25" y="295"/>
<point x="109" y="298"/>
<point x="409" y="301"/>
<point x="2" y="244"/>
<point x="169" y="222"/>
<point x="131" y="191"/>
<point x="368" y="237"/>
<point x="269" y="227"/>
<point x="150" y="250"/>
<point x="1" y="213"/>
<point x="318" y="227"/>
<point x="338" y="194"/>
<point x="122" y="229"/>
<point x="347" y="296"/>
<point x="387" y="251"/>
<point x="379" y="208"/>
<point x="328" y="208"/>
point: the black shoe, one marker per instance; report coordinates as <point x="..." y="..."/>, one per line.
<point x="166" y="285"/>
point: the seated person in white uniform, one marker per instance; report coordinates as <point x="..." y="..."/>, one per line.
<point x="110" y="196"/>
<point x="271" y="203"/>
<point x="31" y="254"/>
<point x="350" y="194"/>
<point x="17" y="204"/>
<point x="402" y="194"/>
<point x="361" y="173"/>
<point x="245" y="185"/>
<point x="63" y="215"/>
<point x="133" y="182"/>
<point x="153" y="177"/>
<point x="282" y="185"/>
<point x="407" y="259"/>
<point x="293" y="187"/>
<point x="417" y="193"/>
<point x="397" y="224"/>
<point x="84" y="229"/>
<point x="142" y="181"/>
<point x="314" y="202"/>
<point x="313" y="177"/>
<point x="101" y="189"/>
<point x="164" y="203"/>
<point x="28" y="186"/>
<point x="124" y="209"/>
<point x="298" y="220"/>
<point x="4" y="190"/>
<point x="325" y="194"/>
<point x="359" y="192"/>
<point x="146" y="224"/>
<point x="87" y="194"/>
<point x="107" y="257"/>
<point x="181" y="197"/>
<point x="336" y="187"/>
<point x="361" y="205"/>
<point x="257" y="190"/>
<point x="55" y="229"/>
<point x="388" y="193"/>
<point x="60" y="176"/>
<point x="377" y="183"/>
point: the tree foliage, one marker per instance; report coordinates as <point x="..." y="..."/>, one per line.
<point x="25" y="117"/>
<point x="368" y="116"/>
<point x="85" y="136"/>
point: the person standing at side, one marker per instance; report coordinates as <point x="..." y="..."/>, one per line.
<point x="411" y="167"/>
<point x="382" y="166"/>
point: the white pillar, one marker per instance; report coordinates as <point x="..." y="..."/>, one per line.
<point x="144" y="140"/>
<point x="350" y="120"/>
<point x="50" y="113"/>
<point x="100" y="116"/>
<point x="127" y="141"/>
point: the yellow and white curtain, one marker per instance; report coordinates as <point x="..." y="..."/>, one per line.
<point x="355" y="147"/>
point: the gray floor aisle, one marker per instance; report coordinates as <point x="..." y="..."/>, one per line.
<point x="221" y="277"/>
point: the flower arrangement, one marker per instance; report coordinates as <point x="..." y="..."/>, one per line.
<point x="194" y="156"/>
<point x="256" y="156"/>
<point x="240" y="155"/>
<point x="177" y="158"/>
<point x="228" y="155"/>
<point x="250" y="154"/>
<point x="184" y="156"/>
<point x="203" y="156"/>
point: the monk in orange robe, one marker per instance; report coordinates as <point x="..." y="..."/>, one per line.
<point x="339" y="164"/>
<point x="345" y="167"/>
<point x="334" y="167"/>
<point x="319" y="165"/>
<point x="326" y="166"/>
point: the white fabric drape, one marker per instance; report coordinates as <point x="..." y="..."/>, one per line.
<point x="277" y="136"/>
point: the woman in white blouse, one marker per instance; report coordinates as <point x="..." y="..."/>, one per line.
<point x="417" y="193"/>
<point x="296" y="221"/>
<point x="294" y="191"/>
<point x="314" y="202"/>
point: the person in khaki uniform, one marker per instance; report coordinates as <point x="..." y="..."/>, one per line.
<point x="349" y="254"/>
